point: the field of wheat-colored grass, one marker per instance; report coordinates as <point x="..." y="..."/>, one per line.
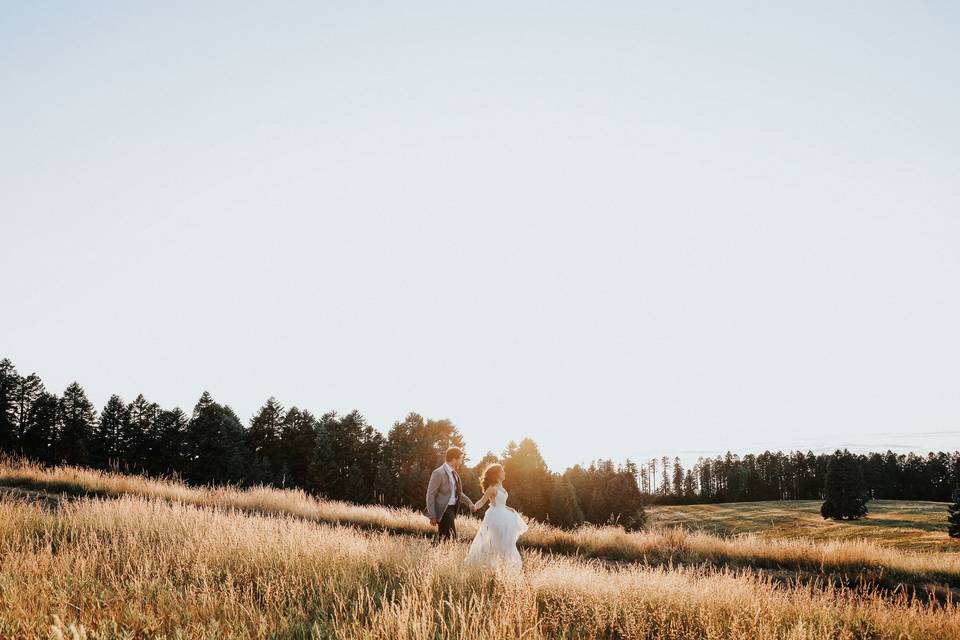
<point x="150" y="568"/>
<point x="904" y="524"/>
<point x="851" y="558"/>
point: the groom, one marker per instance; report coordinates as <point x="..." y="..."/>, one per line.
<point x="444" y="495"/>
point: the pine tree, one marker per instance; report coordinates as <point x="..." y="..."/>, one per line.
<point x="413" y="449"/>
<point x="263" y="443"/>
<point x="564" y="508"/>
<point x="665" y="484"/>
<point x="689" y="486"/>
<point x="607" y="494"/>
<point x="297" y="441"/>
<point x="171" y="433"/>
<point x="677" y="477"/>
<point x="846" y="494"/>
<point x="76" y="420"/>
<point x="25" y="393"/>
<point x="954" y="518"/>
<point x="347" y="459"/>
<point x="528" y="479"/>
<point x="488" y="458"/>
<point x="40" y="435"/>
<point x="214" y="440"/>
<point x="954" y="509"/>
<point x="107" y="447"/>
<point x="9" y="380"/>
<point x="138" y="435"/>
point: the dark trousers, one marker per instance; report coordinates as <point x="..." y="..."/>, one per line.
<point x="447" y="524"/>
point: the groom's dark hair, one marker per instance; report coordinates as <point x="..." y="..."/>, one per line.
<point x="453" y="452"/>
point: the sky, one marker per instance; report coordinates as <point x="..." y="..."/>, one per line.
<point x="621" y="229"/>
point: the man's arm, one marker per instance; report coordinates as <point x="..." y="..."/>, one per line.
<point x="465" y="498"/>
<point x="432" y="488"/>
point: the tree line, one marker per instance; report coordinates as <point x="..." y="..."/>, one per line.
<point x="342" y="457"/>
<point x="339" y="457"/>
<point x="798" y="475"/>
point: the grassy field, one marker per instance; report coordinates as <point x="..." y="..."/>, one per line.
<point x="127" y="557"/>
<point x="910" y="525"/>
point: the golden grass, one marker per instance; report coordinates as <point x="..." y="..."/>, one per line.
<point x="911" y="525"/>
<point x="151" y="568"/>
<point x="849" y="559"/>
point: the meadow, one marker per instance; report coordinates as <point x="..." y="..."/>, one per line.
<point x="127" y="557"/>
<point x="904" y="524"/>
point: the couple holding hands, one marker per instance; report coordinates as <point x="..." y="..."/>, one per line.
<point x="496" y="540"/>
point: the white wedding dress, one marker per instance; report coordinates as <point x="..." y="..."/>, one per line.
<point x="496" y="541"/>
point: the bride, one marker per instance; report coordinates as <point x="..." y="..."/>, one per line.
<point x="496" y="541"/>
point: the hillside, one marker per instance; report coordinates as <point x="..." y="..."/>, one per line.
<point x="127" y="556"/>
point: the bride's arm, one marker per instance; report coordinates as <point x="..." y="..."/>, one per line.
<point x="487" y="496"/>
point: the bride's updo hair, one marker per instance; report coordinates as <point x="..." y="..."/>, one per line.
<point x="490" y="476"/>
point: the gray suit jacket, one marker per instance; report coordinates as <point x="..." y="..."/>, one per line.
<point x="438" y="494"/>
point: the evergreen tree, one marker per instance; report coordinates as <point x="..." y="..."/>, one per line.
<point x="954" y="509"/>
<point x="689" y="486"/>
<point x="846" y="494"/>
<point x="26" y="391"/>
<point x="529" y="481"/>
<point x="170" y="455"/>
<point x="954" y="518"/>
<point x="263" y="444"/>
<point x="138" y="436"/>
<point x="564" y="508"/>
<point x="488" y="458"/>
<point x="413" y="449"/>
<point x="107" y="443"/>
<point x="297" y="442"/>
<point x="76" y="421"/>
<point x="9" y="380"/>
<point x="677" y="477"/>
<point x="40" y="435"/>
<point x="347" y="459"/>
<point x="214" y="443"/>
<point x="607" y="494"/>
<point x="665" y="483"/>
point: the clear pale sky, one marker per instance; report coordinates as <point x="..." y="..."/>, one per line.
<point x="621" y="229"/>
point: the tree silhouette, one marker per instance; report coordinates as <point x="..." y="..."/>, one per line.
<point x="607" y="494"/>
<point x="40" y="436"/>
<point x="347" y="458"/>
<point x="214" y="443"/>
<point x="297" y="441"/>
<point x="954" y="509"/>
<point x="138" y="436"/>
<point x="413" y="449"/>
<point x="107" y="445"/>
<point x="9" y="380"/>
<point x="954" y="518"/>
<point x="677" y="477"/>
<point x="564" y="508"/>
<point x="76" y="420"/>
<point x="528" y="481"/>
<point x="846" y="495"/>
<point x="170" y="452"/>
<point x="25" y="392"/>
<point x="263" y="444"/>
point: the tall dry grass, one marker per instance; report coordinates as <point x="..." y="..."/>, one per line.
<point x="850" y="559"/>
<point x="149" y="568"/>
